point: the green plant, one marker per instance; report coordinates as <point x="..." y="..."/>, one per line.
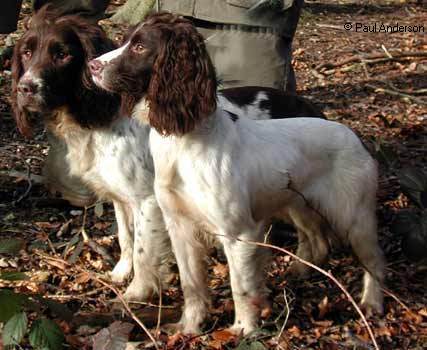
<point x="41" y="332"/>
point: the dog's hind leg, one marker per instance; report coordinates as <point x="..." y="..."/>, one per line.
<point x="364" y="242"/>
<point x="313" y="246"/>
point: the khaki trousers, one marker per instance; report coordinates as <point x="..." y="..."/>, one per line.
<point x="246" y="57"/>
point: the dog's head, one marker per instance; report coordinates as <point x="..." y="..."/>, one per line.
<point x="165" y="61"/>
<point x="49" y="67"/>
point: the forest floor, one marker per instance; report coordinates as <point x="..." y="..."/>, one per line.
<point x="370" y="81"/>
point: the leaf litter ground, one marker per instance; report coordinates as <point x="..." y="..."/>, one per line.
<point x="384" y="101"/>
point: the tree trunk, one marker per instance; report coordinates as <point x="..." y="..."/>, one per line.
<point x="133" y="11"/>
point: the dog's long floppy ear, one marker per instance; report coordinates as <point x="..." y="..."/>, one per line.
<point x="21" y="115"/>
<point x="96" y="106"/>
<point x="183" y="84"/>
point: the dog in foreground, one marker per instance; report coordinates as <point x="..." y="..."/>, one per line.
<point x="110" y="153"/>
<point x="229" y="177"/>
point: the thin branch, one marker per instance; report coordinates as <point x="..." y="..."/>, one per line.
<point x="288" y="311"/>
<point x="29" y="187"/>
<point x="373" y="58"/>
<point x="386" y="51"/>
<point x="390" y="294"/>
<point x="396" y="93"/>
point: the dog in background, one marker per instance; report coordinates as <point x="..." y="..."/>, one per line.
<point x="51" y="80"/>
<point x="229" y="176"/>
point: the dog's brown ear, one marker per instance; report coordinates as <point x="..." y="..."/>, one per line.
<point x="21" y="115"/>
<point x="183" y="85"/>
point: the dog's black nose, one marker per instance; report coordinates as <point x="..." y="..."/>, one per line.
<point x="96" y="67"/>
<point x="27" y="87"/>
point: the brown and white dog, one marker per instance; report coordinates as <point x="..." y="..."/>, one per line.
<point x="111" y="154"/>
<point x="229" y="175"/>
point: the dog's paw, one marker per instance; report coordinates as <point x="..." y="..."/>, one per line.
<point x="138" y="293"/>
<point x="121" y="271"/>
<point x="183" y="328"/>
<point x="372" y="307"/>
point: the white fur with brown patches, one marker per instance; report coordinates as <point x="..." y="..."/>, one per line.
<point x="117" y="165"/>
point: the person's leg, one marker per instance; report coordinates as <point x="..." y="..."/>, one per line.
<point x="90" y="9"/>
<point x="9" y="14"/>
<point x="245" y="56"/>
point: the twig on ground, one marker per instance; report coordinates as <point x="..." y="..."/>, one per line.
<point x="159" y="315"/>
<point x="373" y="58"/>
<point x="288" y="311"/>
<point x="267" y="235"/>
<point x="29" y="187"/>
<point x="390" y="294"/>
<point x="396" y="93"/>
<point x="386" y="51"/>
<point x="152" y="305"/>
<point x="86" y="237"/>
<point x="330" y="26"/>
<point x="78" y="296"/>
<point x="414" y="92"/>
<point x="37" y="179"/>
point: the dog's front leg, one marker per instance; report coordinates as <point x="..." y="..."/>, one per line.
<point x="246" y="262"/>
<point x="124" y="219"/>
<point x="151" y="251"/>
<point x="190" y="259"/>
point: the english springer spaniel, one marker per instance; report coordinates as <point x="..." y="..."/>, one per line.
<point x="111" y="154"/>
<point x="229" y="176"/>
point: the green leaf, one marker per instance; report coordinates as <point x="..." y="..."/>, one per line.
<point x="11" y="246"/>
<point x="45" y="334"/>
<point x="15" y="329"/>
<point x="13" y="276"/>
<point x="10" y="304"/>
<point x="246" y="345"/>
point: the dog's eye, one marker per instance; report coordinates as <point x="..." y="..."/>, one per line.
<point x="61" y="55"/>
<point x="138" y="48"/>
<point x="27" y="54"/>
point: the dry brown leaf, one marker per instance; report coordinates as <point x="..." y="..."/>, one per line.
<point x="82" y="278"/>
<point x="412" y="317"/>
<point x="423" y="312"/>
<point x="294" y="331"/>
<point x="220" y="270"/>
<point x="223" y="335"/>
